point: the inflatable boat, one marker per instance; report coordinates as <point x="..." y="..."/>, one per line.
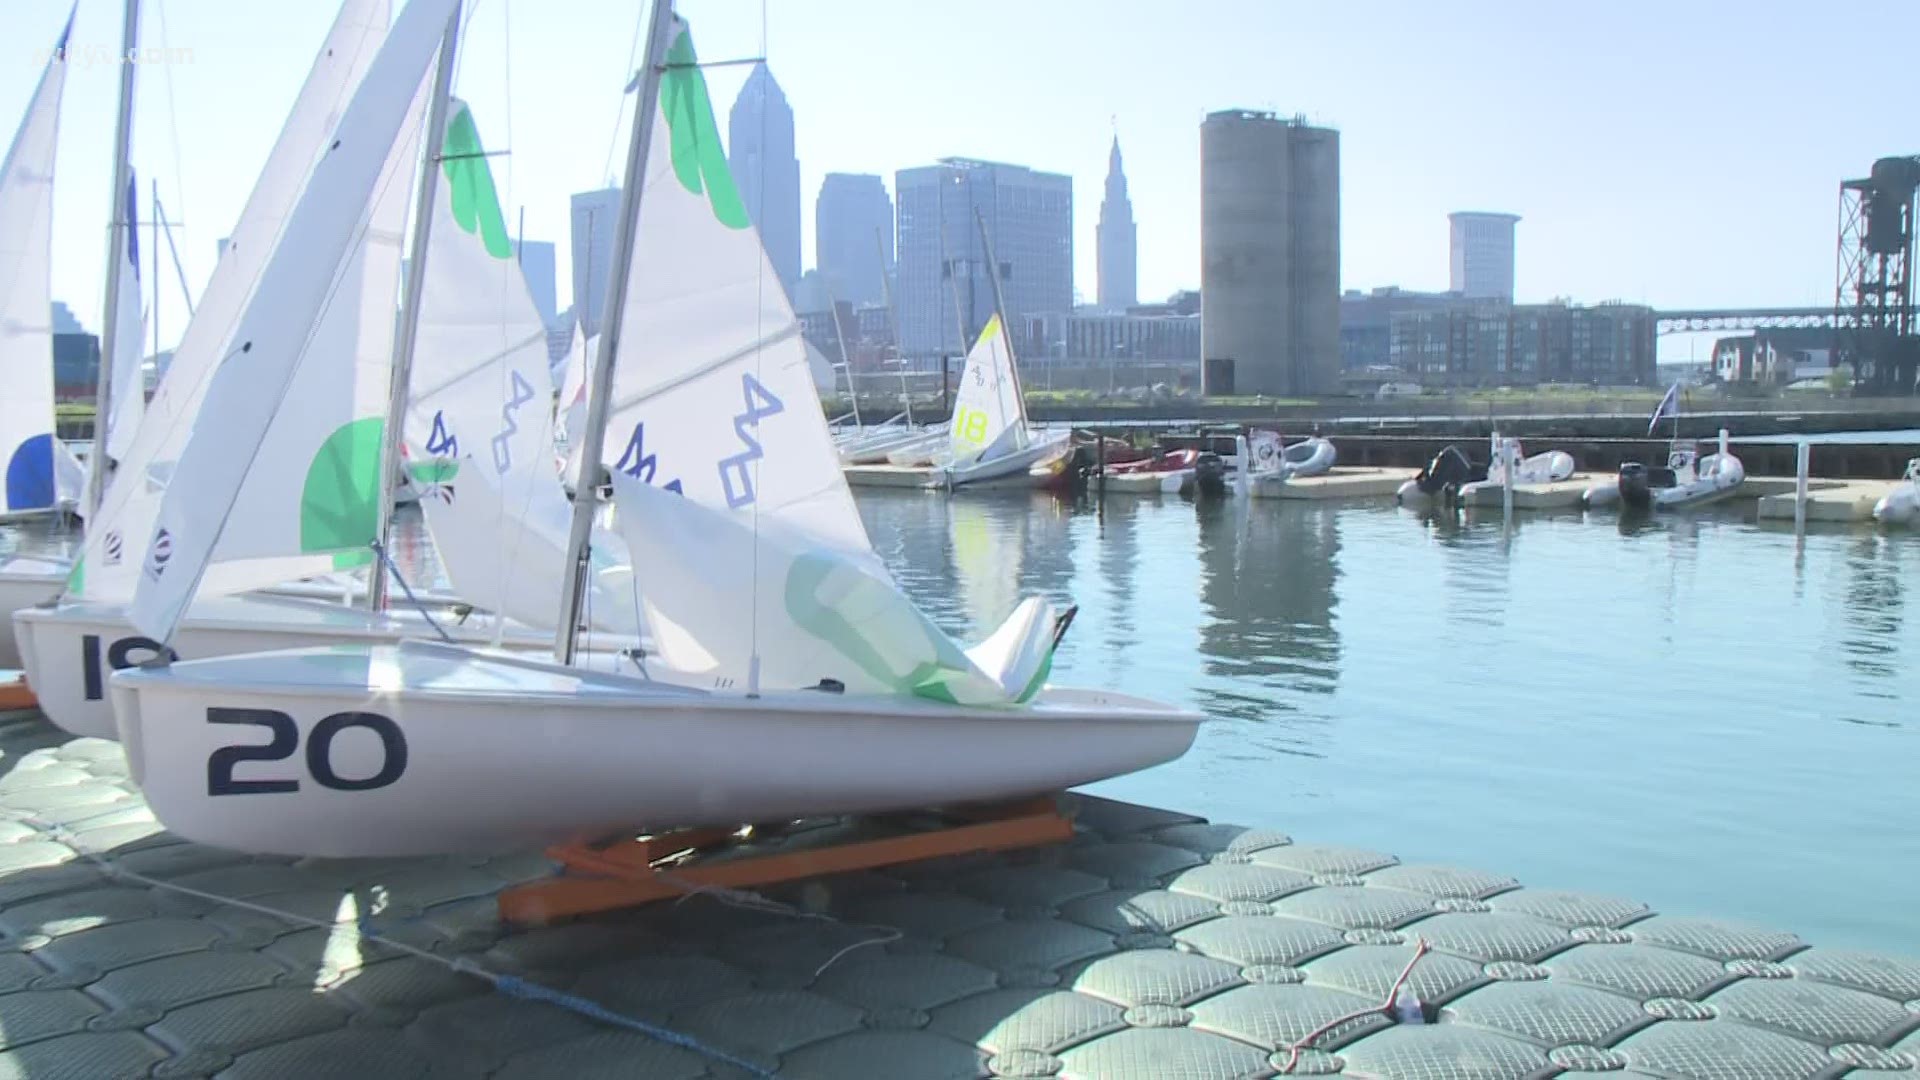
<point x="1901" y="506"/>
<point x="1543" y="468"/>
<point x="1687" y="480"/>
<point x="1271" y="457"/>
<point x="1442" y="479"/>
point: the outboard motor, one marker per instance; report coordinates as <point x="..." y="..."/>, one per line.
<point x="1210" y="474"/>
<point x="1449" y="468"/>
<point x="1636" y="487"/>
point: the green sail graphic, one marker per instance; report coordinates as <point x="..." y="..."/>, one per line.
<point x="339" y="503"/>
<point x="476" y="205"/>
<point x="699" y="157"/>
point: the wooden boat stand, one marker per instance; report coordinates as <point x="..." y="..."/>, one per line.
<point x="15" y="693"/>
<point x="629" y="872"/>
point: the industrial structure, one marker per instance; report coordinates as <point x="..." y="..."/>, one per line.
<point x="1480" y="250"/>
<point x="1269" y="255"/>
<point x="945" y="294"/>
<point x="1874" y="299"/>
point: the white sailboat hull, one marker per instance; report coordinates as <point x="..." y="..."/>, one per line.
<point x="417" y="749"/>
<point x="1045" y="447"/>
<point x="69" y="651"/>
<point x="24" y="584"/>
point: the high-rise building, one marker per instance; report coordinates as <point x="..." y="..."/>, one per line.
<point x="942" y="264"/>
<point x="536" y="265"/>
<point x="1269" y="255"/>
<point x="1119" y="271"/>
<point x="853" y="236"/>
<point x="596" y="218"/>
<point x="760" y="150"/>
<point x="1482" y="255"/>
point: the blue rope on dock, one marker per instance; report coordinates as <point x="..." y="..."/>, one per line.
<point x="514" y="986"/>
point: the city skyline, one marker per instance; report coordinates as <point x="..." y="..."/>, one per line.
<point x="1570" y="129"/>
<point x="764" y="157"/>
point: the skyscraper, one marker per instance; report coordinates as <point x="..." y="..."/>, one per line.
<point x="760" y="152"/>
<point x="853" y="236"/>
<point x="1119" y="270"/>
<point x="1269" y="255"/>
<point x="596" y="217"/>
<point x="1030" y="218"/>
<point x="537" y="266"/>
<point x="1482" y="254"/>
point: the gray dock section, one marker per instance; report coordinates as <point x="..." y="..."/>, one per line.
<point x="1153" y="945"/>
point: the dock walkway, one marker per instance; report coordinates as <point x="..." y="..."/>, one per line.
<point x="1152" y="945"/>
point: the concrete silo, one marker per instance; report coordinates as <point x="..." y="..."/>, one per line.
<point x="1269" y="255"/>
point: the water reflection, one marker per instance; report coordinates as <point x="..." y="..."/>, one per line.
<point x="1267" y="576"/>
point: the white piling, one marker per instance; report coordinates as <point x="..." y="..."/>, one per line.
<point x="1802" y="464"/>
<point x="1507" y="467"/>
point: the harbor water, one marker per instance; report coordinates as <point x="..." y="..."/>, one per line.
<point x="1697" y="711"/>
<point x="1693" y="710"/>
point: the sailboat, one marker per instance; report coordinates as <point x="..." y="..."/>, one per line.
<point x="311" y="491"/>
<point x="989" y="437"/>
<point x="28" y="448"/>
<point x="804" y="682"/>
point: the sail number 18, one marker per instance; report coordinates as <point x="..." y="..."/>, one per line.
<point x="971" y="424"/>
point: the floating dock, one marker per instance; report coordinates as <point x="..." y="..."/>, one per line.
<point x="1153" y="944"/>
<point x="907" y="476"/>
<point x="1830" y="500"/>
<point x="1554" y="495"/>
<point x="1338" y="483"/>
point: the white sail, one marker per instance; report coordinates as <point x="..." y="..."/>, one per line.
<point x="713" y="396"/>
<point x="798" y="612"/>
<point x="131" y="503"/>
<point x="26" y="305"/>
<point x="129" y="387"/>
<point x="287" y="354"/>
<point x="479" y="431"/>
<point x="751" y="565"/>
<point x="987" y="419"/>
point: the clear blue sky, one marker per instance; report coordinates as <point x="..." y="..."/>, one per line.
<point x="1677" y="153"/>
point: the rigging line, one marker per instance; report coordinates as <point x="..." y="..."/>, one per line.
<point x="173" y="129"/>
<point x="759" y="352"/>
<point x="386" y="560"/>
<point x="633" y="52"/>
<point x="506" y="75"/>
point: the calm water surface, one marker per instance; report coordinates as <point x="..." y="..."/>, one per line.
<point x="1694" y="711"/>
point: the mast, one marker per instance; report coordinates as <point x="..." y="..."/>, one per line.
<point x="893" y="323"/>
<point x="586" y="486"/>
<point x="953" y="279"/>
<point x="116" y="251"/>
<point x="402" y="368"/>
<point x="1000" y="309"/>
<point x="846" y="358"/>
<point x="142" y="388"/>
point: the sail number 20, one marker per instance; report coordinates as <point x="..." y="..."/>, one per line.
<point x="286" y="739"/>
<point x="971" y="424"/>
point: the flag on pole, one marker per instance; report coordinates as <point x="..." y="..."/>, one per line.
<point x="1669" y="406"/>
